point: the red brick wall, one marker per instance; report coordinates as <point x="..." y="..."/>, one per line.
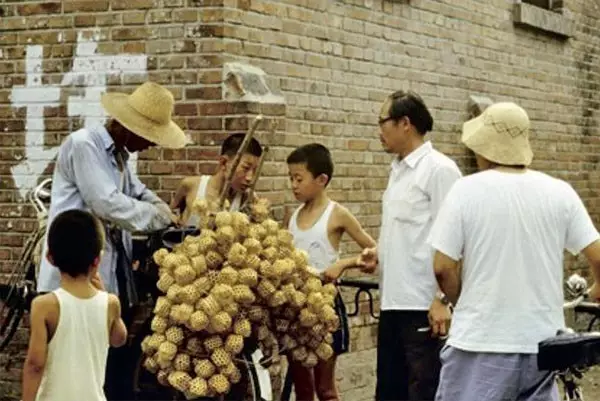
<point x="332" y="63"/>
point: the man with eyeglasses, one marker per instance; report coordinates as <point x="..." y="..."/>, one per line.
<point x="414" y="313"/>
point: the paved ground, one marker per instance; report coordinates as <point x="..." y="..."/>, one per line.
<point x="591" y="384"/>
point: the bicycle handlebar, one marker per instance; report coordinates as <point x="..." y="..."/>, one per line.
<point x="364" y="284"/>
<point x="35" y="198"/>
<point x="574" y="303"/>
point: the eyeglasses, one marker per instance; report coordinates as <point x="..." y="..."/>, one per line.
<point x="384" y="120"/>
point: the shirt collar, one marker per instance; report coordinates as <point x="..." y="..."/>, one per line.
<point x="413" y="157"/>
<point x="108" y="142"/>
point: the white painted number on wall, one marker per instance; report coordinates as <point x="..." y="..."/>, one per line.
<point x="90" y="70"/>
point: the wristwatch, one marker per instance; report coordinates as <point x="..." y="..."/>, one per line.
<point x="443" y="298"/>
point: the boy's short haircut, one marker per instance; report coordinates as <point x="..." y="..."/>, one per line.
<point x="232" y="144"/>
<point x="316" y="157"/>
<point x="411" y="105"/>
<point x="75" y="239"/>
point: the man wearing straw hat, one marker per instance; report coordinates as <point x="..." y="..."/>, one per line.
<point x="91" y="173"/>
<point x="510" y="226"/>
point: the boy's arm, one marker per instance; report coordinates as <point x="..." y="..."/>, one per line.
<point x="118" y="330"/>
<point x="349" y="224"/>
<point x="287" y="215"/>
<point x="179" y="199"/>
<point x="35" y="362"/>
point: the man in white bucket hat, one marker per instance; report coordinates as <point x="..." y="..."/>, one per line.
<point x="91" y="173"/>
<point x="510" y="226"/>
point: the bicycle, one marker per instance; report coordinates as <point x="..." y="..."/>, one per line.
<point x="570" y="354"/>
<point x="17" y="294"/>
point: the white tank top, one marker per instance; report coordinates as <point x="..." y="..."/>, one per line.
<point x="76" y="361"/>
<point x="315" y="241"/>
<point x="194" y="219"/>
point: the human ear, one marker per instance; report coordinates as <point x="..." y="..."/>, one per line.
<point x="322" y="179"/>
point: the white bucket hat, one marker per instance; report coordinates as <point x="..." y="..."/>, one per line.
<point x="147" y="112"/>
<point x="500" y="134"/>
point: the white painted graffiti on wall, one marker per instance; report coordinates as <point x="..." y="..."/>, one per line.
<point x="90" y="70"/>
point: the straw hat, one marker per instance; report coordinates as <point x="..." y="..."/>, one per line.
<point x="500" y="134"/>
<point x="147" y="113"/>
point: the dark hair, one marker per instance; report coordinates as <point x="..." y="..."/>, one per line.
<point x="232" y="144"/>
<point x="316" y="157"/>
<point x="409" y="104"/>
<point x="75" y="239"/>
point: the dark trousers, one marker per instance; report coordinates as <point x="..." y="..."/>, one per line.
<point x="120" y="364"/>
<point x="408" y="363"/>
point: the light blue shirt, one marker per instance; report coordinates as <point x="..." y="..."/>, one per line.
<point x="87" y="177"/>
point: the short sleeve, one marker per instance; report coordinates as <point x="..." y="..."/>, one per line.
<point x="447" y="235"/>
<point x="581" y="231"/>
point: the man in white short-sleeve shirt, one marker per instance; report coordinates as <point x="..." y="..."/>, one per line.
<point x="510" y="226"/>
<point x="408" y="362"/>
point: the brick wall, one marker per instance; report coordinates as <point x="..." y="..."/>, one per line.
<point x="327" y="66"/>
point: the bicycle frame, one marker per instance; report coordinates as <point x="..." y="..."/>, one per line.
<point x="17" y="294"/>
<point x="577" y="287"/>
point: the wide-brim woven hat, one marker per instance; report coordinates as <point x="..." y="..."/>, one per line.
<point x="500" y="134"/>
<point x="147" y="112"/>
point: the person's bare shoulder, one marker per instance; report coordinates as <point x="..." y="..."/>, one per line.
<point x="114" y="306"/>
<point x="188" y="183"/>
<point x="46" y="305"/>
<point x="45" y="301"/>
<point x="341" y="215"/>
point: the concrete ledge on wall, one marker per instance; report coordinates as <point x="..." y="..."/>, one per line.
<point x="248" y="83"/>
<point x="477" y="104"/>
<point x="549" y="21"/>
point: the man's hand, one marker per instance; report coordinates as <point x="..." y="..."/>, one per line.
<point x="175" y="219"/>
<point x="439" y="318"/>
<point x="595" y="292"/>
<point x="368" y="260"/>
<point x="97" y="282"/>
<point x="167" y="212"/>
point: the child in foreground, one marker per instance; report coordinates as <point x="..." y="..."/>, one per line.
<point x="209" y="186"/>
<point x="318" y="226"/>
<point x="73" y="327"/>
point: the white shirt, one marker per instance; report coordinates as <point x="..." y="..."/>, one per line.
<point x="194" y="219"/>
<point x="315" y="240"/>
<point x="415" y="191"/>
<point x="77" y="353"/>
<point x="512" y="230"/>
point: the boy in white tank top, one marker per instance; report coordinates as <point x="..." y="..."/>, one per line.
<point x="73" y="327"/>
<point x="209" y="186"/>
<point x="318" y="226"/>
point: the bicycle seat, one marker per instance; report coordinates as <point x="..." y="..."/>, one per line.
<point x="568" y="349"/>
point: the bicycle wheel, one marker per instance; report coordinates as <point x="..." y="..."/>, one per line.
<point x="10" y="326"/>
<point x="12" y="307"/>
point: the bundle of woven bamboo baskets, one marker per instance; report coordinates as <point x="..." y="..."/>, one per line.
<point x="240" y="277"/>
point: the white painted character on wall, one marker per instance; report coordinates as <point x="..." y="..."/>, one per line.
<point x="90" y="71"/>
